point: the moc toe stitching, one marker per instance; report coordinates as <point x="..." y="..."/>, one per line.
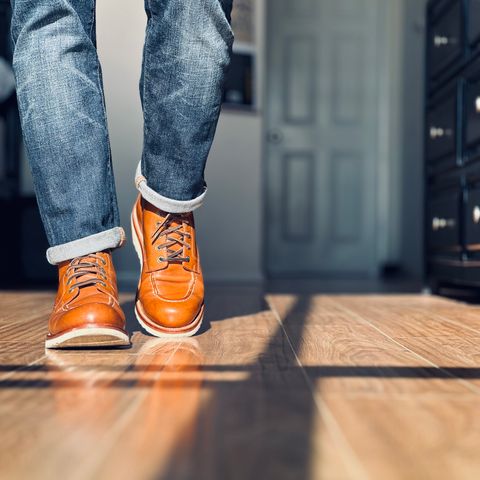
<point x="188" y="295"/>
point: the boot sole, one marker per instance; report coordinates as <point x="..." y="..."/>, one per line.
<point x="88" y="337"/>
<point x="149" y="325"/>
<point x="165" y="332"/>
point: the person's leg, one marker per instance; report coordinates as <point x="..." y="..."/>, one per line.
<point x="62" y="110"/>
<point x="186" y="56"/>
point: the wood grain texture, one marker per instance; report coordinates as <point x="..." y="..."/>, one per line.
<point x="283" y="386"/>
<point x="404" y="409"/>
<point x="341" y="351"/>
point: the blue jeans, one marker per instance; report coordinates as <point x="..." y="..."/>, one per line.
<point x="62" y="107"/>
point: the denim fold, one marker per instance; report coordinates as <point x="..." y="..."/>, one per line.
<point x="169" y="205"/>
<point x="109" y="239"/>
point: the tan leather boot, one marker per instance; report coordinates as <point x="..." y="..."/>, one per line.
<point x="170" y="292"/>
<point x="86" y="311"/>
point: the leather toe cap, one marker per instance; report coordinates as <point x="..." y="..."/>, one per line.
<point x="169" y="314"/>
<point x="86" y="316"/>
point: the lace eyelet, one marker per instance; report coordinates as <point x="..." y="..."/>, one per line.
<point x="160" y="260"/>
<point x="188" y="259"/>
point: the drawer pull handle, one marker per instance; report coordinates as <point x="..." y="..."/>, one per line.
<point x="442" y="40"/>
<point x="476" y="215"/>
<point x="442" y="223"/>
<point x="477" y="104"/>
<point x="438" y="132"/>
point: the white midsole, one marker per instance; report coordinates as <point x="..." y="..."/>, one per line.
<point x="159" y="334"/>
<point x="86" y="332"/>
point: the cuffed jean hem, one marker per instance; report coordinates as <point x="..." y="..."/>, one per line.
<point x="166" y="204"/>
<point x="113" y="238"/>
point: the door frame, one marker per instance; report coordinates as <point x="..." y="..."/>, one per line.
<point x="389" y="139"/>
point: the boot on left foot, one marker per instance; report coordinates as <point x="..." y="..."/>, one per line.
<point x="170" y="295"/>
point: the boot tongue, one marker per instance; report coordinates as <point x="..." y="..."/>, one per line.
<point x="162" y="241"/>
<point x="174" y="281"/>
<point x="86" y="274"/>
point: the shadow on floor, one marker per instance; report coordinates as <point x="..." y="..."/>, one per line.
<point x="221" y="303"/>
<point x="261" y="426"/>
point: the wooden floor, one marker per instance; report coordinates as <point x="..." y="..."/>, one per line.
<point x="276" y="387"/>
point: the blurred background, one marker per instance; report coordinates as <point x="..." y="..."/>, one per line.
<point x="316" y="171"/>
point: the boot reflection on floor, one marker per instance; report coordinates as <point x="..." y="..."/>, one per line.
<point x="158" y="409"/>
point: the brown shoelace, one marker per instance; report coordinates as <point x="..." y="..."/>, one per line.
<point x="89" y="265"/>
<point x="174" y="235"/>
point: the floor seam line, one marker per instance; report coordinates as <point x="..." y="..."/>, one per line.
<point x="469" y="385"/>
<point x="353" y="464"/>
<point x="454" y="322"/>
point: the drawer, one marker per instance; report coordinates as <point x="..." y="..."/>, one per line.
<point x="473" y="21"/>
<point x="441" y="123"/>
<point x="472" y="219"/>
<point x="436" y="7"/>
<point x="443" y="221"/>
<point x="446" y="38"/>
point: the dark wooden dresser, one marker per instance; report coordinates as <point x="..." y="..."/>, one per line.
<point x="452" y="144"/>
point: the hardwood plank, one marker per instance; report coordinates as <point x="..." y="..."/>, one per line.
<point x="465" y="317"/>
<point x="398" y="319"/>
<point x="395" y="432"/>
<point x="22" y="307"/>
<point x="164" y="410"/>
<point x="414" y="437"/>
<point x="455" y="353"/>
<point x="342" y="354"/>
<point x="67" y="414"/>
<point x="321" y="386"/>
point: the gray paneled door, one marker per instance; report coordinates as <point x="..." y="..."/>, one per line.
<point x="322" y="135"/>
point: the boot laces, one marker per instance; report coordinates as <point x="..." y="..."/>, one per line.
<point x="86" y="271"/>
<point x="173" y="236"/>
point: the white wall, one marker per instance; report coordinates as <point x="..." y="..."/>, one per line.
<point x="120" y="40"/>
<point x="229" y="223"/>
